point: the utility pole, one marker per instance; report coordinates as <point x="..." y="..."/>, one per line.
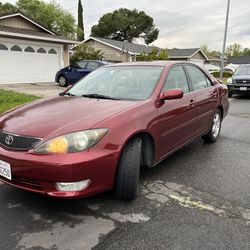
<point x="225" y="41"/>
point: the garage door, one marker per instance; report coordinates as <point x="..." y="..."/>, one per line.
<point x="28" y="63"/>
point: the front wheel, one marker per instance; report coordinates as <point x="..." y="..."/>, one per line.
<point x="214" y="132"/>
<point x="127" y="179"/>
<point x="62" y="81"/>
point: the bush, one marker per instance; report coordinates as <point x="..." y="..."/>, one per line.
<point x="226" y="74"/>
<point x="85" y="52"/>
<point x="154" y="54"/>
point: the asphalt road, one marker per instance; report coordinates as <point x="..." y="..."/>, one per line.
<point x="199" y="198"/>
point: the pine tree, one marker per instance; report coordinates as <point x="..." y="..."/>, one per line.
<point x="80" y="31"/>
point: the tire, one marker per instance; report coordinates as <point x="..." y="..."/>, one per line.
<point x="230" y="94"/>
<point x="127" y="178"/>
<point x="62" y="80"/>
<point x="214" y="131"/>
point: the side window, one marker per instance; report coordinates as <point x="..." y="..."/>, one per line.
<point x="80" y="64"/>
<point x="93" y="65"/>
<point x="198" y="78"/>
<point x="177" y="79"/>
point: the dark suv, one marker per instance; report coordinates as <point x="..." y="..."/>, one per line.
<point x="76" y="71"/>
<point x="240" y="81"/>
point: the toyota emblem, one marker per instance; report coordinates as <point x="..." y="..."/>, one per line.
<point x="9" y="140"/>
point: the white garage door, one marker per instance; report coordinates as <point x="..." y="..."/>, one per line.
<point x="28" y="62"/>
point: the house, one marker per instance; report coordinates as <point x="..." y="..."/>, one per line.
<point x="238" y="60"/>
<point x="29" y="52"/>
<point x="118" y="51"/>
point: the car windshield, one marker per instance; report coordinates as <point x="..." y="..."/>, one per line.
<point x="125" y="83"/>
<point x="243" y="70"/>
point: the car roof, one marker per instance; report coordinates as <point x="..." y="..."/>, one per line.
<point x="148" y="63"/>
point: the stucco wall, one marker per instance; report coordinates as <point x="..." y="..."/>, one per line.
<point x="109" y="53"/>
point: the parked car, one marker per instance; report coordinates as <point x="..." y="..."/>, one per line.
<point x="76" y="71"/>
<point x="240" y="81"/>
<point x="97" y="134"/>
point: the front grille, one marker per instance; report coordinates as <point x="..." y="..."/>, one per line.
<point x="17" y="142"/>
<point x="242" y="81"/>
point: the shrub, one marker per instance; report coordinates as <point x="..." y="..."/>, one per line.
<point x="85" y="52"/>
<point x="226" y="74"/>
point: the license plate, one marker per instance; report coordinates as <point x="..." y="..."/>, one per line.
<point x="243" y="88"/>
<point x="5" y="170"/>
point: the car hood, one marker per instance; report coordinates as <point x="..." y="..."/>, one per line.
<point x="51" y="117"/>
<point x="241" y="77"/>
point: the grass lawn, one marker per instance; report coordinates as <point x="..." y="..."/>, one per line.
<point x="10" y="99"/>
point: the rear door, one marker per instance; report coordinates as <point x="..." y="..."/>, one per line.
<point x="176" y="118"/>
<point x="206" y="96"/>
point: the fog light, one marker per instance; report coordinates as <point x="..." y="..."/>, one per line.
<point x="72" y="186"/>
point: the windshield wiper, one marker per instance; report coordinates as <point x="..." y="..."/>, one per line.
<point x="66" y="93"/>
<point x="97" y="96"/>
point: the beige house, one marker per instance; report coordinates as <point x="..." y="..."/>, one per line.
<point x="118" y="51"/>
<point x="29" y="52"/>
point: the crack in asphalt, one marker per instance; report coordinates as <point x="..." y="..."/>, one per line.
<point x="188" y="197"/>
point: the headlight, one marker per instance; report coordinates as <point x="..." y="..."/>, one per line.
<point x="230" y="80"/>
<point x="71" y="143"/>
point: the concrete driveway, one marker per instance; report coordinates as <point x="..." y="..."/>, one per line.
<point x="39" y="89"/>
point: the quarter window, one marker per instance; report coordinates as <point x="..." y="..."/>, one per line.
<point x="177" y="79"/>
<point x="3" y="47"/>
<point x="16" y="48"/>
<point x="41" y="50"/>
<point x="52" y="51"/>
<point x="29" y="49"/>
<point x="198" y="79"/>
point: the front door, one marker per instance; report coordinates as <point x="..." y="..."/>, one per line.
<point x="176" y="118"/>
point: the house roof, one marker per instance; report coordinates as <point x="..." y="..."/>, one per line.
<point x="32" y="34"/>
<point x="185" y="53"/>
<point x="131" y="48"/>
<point x="43" y="33"/>
<point x="239" y="59"/>
<point x="135" y="49"/>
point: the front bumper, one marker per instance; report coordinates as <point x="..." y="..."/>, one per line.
<point x="39" y="173"/>
<point x="238" y="88"/>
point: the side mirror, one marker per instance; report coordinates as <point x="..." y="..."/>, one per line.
<point x="172" y="94"/>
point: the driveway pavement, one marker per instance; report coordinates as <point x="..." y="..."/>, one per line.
<point x="39" y="89"/>
<point x="198" y="198"/>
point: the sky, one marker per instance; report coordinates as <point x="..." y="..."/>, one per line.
<point x="182" y="23"/>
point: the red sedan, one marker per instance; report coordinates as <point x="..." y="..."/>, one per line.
<point x="97" y="134"/>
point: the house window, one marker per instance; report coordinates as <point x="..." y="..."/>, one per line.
<point x="16" y="48"/>
<point x="41" y="50"/>
<point x="3" y="47"/>
<point x="29" y="49"/>
<point x="52" y="51"/>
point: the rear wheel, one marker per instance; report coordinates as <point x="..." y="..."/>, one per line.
<point x="230" y="94"/>
<point x="128" y="172"/>
<point x="62" y="81"/>
<point x="214" y="132"/>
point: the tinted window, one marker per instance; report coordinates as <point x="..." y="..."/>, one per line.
<point x="16" y="48"/>
<point x="93" y="65"/>
<point x="80" y="64"/>
<point x="41" y="50"/>
<point x="129" y="83"/>
<point x="29" y="49"/>
<point x="3" y="47"/>
<point x="52" y="51"/>
<point x="198" y="78"/>
<point x="177" y="79"/>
